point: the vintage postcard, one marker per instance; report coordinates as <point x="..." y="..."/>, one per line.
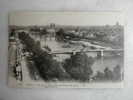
<point x="66" y="49"/>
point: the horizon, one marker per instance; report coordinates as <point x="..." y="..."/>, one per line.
<point x="66" y="18"/>
<point x="65" y="25"/>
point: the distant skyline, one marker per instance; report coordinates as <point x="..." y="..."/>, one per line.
<point x="66" y="18"/>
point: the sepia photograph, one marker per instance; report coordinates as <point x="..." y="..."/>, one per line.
<point x="66" y="49"/>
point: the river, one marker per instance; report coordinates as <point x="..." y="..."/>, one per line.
<point x="109" y="59"/>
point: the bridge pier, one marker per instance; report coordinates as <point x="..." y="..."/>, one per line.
<point x="100" y="53"/>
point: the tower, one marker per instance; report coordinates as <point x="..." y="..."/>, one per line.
<point x="51" y="31"/>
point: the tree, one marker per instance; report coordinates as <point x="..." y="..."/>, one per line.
<point x="108" y="74"/>
<point x="60" y="34"/>
<point x="99" y="76"/>
<point x="44" y="33"/>
<point x="79" y="66"/>
<point x="117" y="73"/>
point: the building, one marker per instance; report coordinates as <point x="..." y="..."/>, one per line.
<point x="51" y="31"/>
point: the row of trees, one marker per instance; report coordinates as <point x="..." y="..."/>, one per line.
<point x="112" y="75"/>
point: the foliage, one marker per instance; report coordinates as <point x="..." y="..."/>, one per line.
<point x="47" y="67"/>
<point x="79" y="66"/>
<point x="107" y="75"/>
<point x="99" y="76"/>
<point x="60" y="34"/>
<point x="43" y="32"/>
<point x="117" y="73"/>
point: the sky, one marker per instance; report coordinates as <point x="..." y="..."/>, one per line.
<point x="66" y="18"/>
